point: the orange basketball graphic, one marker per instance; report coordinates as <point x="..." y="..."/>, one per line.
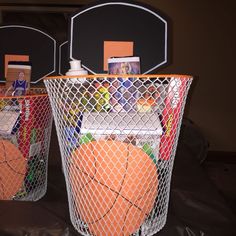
<point x="12" y="170"/>
<point x="114" y="186"/>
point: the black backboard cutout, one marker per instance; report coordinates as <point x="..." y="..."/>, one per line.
<point x="118" y="21"/>
<point x="63" y="59"/>
<point x="24" y="40"/>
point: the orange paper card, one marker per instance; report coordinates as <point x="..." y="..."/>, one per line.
<point x="116" y="49"/>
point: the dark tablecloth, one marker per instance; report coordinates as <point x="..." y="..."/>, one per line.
<point x="196" y="208"/>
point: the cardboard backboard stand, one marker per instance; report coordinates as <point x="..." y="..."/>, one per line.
<point x="27" y="44"/>
<point x="26" y="117"/>
<point x="134" y="112"/>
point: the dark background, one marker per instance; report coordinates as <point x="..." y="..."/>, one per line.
<point x="202" y="44"/>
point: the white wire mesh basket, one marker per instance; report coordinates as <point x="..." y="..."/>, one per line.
<point x="118" y="137"/>
<point x="25" y="129"/>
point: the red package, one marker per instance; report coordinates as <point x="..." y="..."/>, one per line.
<point x="171" y="116"/>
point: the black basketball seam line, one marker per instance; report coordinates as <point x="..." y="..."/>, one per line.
<point x="138" y="209"/>
<point x="123" y="227"/>
<point x="3" y="192"/>
<point x="145" y="194"/>
<point x="4" y="150"/>
<point x="5" y="154"/>
<point x="8" y="161"/>
<point x="15" y="159"/>
<point x="95" y="163"/>
<point x="13" y="169"/>
<point x="118" y="194"/>
<point x="91" y="178"/>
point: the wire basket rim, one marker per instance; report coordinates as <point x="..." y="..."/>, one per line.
<point x="144" y="76"/>
<point x="43" y="94"/>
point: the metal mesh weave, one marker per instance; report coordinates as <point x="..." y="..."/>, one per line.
<point x="118" y="137"/>
<point x="25" y="129"/>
